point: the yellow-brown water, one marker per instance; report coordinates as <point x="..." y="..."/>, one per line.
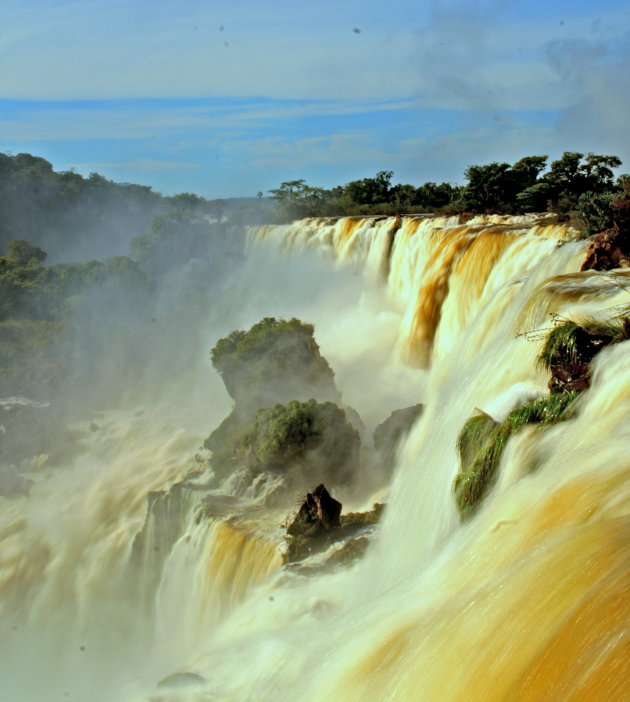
<point x="527" y="601"/>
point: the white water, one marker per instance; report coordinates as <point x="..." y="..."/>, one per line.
<point x="529" y="600"/>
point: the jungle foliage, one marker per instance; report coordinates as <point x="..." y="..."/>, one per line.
<point x="573" y="343"/>
<point x="315" y="434"/>
<point x="579" y="186"/>
<point x="481" y="444"/>
<point x="62" y="323"/>
<point x="76" y="218"/>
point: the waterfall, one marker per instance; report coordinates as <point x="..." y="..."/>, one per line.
<point x="527" y="600"/>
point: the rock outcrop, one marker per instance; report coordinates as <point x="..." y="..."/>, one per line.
<point x="319" y="523"/>
<point x="318" y="513"/>
<point x="609" y="249"/>
<point x="285" y="419"/>
<point x="570" y="348"/>
<point x="388" y="435"/>
<point x="275" y="361"/>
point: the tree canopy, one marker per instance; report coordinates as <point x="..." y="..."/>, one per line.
<point x="525" y="186"/>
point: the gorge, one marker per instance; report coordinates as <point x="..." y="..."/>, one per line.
<point x="133" y="573"/>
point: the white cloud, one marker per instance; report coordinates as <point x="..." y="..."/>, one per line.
<point x="459" y="55"/>
<point x="596" y="119"/>
<point x="107" y="120"/>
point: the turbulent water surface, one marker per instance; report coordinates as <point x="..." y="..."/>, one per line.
<point x="529" y="600"/>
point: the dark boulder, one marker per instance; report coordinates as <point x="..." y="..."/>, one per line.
<point x="318" y="513"/>
<point x="319" y="523"/>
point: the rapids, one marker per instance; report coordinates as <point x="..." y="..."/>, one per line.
<point x="529" y="600"/>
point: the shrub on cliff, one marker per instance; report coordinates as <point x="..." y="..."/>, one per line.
<point x="570" y="347"/>
<point x="316" y="436"/>
<point x="275" y="361"/>
<point x="481" y="444"/>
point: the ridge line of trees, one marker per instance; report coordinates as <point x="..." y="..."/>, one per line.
<point x="577" y="186"/>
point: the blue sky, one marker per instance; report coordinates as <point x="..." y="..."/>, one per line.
<point x="229" y="98"/>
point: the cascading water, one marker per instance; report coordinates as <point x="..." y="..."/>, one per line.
<point x="526" y="601"/>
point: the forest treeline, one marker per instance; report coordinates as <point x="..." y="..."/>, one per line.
<point x="578" y="186"/>
<point x="74" y="218"/>
<point x="64" y="315"/>
<point x="87" y="260"/>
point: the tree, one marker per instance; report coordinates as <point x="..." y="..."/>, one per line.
<point x="23" y="253"/>
<point x="569" y="178"/>
<point x="598" y="173"/>
<point x="526" y="171"/>
<point x="369" y="191"/>
<point x="489" y="187"/>
<point x="295" y="199"/>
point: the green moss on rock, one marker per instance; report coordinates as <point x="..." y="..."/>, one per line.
<point x="315" y="436"/>
<point x="314" y="432"/>
<point x="481" y="445"/>
<point x="275" y="361"/>
<point x="570" y="348"/>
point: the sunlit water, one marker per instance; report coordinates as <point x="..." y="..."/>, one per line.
<point x="527" y="601"/>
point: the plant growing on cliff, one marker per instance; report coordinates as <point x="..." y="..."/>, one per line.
<point x="573" y="343"/>
<point x="315" y="434"/>
<point x="486" y="445"/>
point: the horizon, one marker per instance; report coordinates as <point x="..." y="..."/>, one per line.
<point x="229" y="101"/>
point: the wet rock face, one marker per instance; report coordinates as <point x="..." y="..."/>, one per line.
<point x="395" y="428"/>
<point x="319" y="523"/>
<point x="609" y="249"/>
<point x="571" y="348"/>
<point x="313" y="438"/>
<point x="163" y="525"/>
<point x="570" y="376"/>
<point x="275" y="361"/>
<point x="319" y="512"/>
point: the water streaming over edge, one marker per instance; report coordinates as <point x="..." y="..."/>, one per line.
<point x="524" y="602"/>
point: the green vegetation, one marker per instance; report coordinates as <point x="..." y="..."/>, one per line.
<point x="316" y="437"/>
<point x="40" y="307"/>
<point x="72" y="217"/>
<point x="275" y="361"/>
<point x="295" y="199"/>
<point x="486" y="444"/>
<point x="568" y="352"/>
<point x="474" y="434"/>
<point x="576" y="186"/>
<point x="69" y="324"/>
<point x="572" y="343"/>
